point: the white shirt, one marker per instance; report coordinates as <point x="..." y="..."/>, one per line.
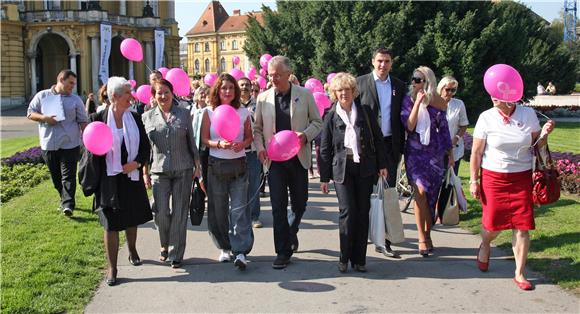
<point x="384" y="90"/>
<point x="507" y="146"/>
<point x="243" y="113"/>
<point x="456" y="118"/>
<point x="541" y="90"/>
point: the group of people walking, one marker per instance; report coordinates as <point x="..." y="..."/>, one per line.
<point x="374" y="121"/>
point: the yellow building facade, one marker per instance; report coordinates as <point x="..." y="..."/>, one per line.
<point x="40" y="38"/>
<point x="216" y="39"/>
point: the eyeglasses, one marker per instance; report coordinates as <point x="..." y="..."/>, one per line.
<point x="451" y="90"/>
<point x="417" y="80"/>
<point x="255" y="90"/>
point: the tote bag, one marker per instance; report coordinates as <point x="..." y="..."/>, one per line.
<point x="376" y="216"/>
<point x="392" y="212"/>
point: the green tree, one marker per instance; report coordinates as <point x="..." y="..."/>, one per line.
<point x="462" y="39"/>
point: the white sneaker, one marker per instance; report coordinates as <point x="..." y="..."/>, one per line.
<point x="241" y="262"/>
<point x="257" y="224"/>
<point x="224" y="256"/>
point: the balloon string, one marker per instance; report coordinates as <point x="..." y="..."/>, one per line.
<point x="148" y="68"/>
<point x="262" y="181"/>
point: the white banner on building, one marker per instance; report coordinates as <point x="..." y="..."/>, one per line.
<point x="106" y="31"/>
<point x="159" y="47"/>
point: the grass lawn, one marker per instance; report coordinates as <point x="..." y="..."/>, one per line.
<point x="50" y="263"/>
<point x="13" y="145"/>
<point x="564" y="138"/>
<point x="555" y="246"/>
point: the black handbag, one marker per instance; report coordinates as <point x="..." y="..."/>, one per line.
<point x="89" y="172"/>
<point x="196" y="204"/>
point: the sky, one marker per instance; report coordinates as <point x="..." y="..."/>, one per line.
<point x="187" y="12"/>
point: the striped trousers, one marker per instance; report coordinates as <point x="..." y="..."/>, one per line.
<point x="171" y="221"/>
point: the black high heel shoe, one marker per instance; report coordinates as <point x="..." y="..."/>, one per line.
<point x="111" y="281"/>
<point x="135" y="261"/>
<point x="430" y="246"/>
<point x="425" y="252"/>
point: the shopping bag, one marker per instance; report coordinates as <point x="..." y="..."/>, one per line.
<point x="444" y="194"/>
<point x="392" y="213"/>
<point x="451" y="211"/>
<point x="376" y="216"/>
<point x="196" y="204"/>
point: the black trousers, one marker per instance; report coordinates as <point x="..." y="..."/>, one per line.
<point x="392" y="161"/>
<point x="62" y="165"/>
<point x="354" y="203"/>
<point x="283" y="177"/>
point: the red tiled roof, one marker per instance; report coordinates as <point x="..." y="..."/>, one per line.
<point x="210" y="21"/>
<point x="238" y="22"/>
<point x="216" y="19"/>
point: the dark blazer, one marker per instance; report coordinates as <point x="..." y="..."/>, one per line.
<point x="332" y="150"/>
<point x="368" y="96"/>
<point x="93" y="169"/>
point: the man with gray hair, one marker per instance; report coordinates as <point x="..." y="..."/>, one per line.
<point x="286" y="107"/>
<point x="61" y="116"/>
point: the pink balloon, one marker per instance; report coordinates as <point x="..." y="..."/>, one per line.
<point x="98" y="138"/>
<point x="322" y="102"/>
<point x="210" y="78"/>
<point x="226" y="122"/>
<point x="263" y="72"/>
<point x="131" y="49"/>
<point x="133" y="83"/>
<point x="283" y="146"/>
<point x="251" y="75"/>
<point x="236" y="60"/>
<point x="144" y="94"/>
<point x="252" y="69"/>
<point x="134" y="94"/>
<point x="237" y="73"/>
<point x="264" y="59"/>
<point x="503" y="82"/>
<point x="314" y="85"/>
<point x="180" y="81"/>
<point x="261" y="82"/>
<point x="163" y="71"/>
<point x="329" y="77"/>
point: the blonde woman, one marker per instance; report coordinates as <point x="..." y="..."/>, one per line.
<point x="351" y="153"/>
<point x="428" y="140"/>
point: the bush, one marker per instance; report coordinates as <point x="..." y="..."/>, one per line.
<point x="19" y="178"/>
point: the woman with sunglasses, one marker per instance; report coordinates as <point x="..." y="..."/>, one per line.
<point x="428" y="140"/>
<point x="456" y="117"/>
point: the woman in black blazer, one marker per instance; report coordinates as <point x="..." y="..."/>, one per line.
<point x="351" y="153"/>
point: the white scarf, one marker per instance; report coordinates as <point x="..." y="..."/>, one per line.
<point x="350" y="138"/>
<point x="423" y="126"/>
<point x="131" y="137"/>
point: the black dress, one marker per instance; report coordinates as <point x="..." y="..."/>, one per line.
<point x="134" y="208"/>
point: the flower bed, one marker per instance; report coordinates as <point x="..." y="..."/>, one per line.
<point x="21" y="172"/>
<point x="568" y="164"/>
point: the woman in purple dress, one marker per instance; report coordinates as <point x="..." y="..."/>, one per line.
<point x="428" y="140"/>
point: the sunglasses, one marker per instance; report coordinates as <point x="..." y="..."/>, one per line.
<point x="451" y="90"/>
<point x="417" y="80"/>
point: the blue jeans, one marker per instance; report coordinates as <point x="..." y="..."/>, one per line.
<point x="254" y="180"/>
<point x="229" y="223"/>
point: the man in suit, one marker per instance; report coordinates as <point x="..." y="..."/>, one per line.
<point x="384" y="93"/>
<point x="286" y="107"/>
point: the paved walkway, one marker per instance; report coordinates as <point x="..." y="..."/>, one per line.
<point x="13" y="123"/>
<point x="447" y="282"/>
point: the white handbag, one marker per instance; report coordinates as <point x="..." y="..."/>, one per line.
<point x="376" y="216"/>
<point x="451" y="212"/>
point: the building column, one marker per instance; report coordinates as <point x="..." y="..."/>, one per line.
<point x="149" y="56"/>
<point x="33" y="86"/>
<point x="171" y="9"/>
<point x="73" y="67"/>
<point x="95" y="62"/>
<point x="122" y="7"/>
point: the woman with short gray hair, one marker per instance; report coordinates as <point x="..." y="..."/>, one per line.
<point x="121" y="200"/>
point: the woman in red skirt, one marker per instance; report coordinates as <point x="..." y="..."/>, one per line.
<point x="502" y="154"/>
